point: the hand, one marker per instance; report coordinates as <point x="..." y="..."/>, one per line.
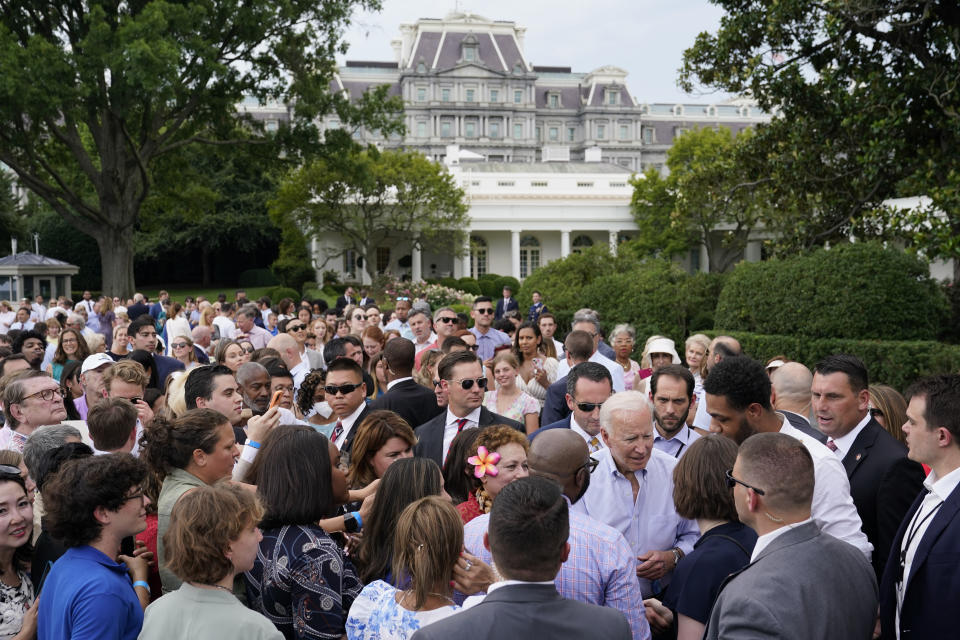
<point x="471" y="575"/>
<point x="361" y="494"/>
<point x="140" y="551"/>
<point x="139" y="566"/>
<point x="366" y="507"/>
<point x="653" y="565"/>
<point x="258" y="427"/>
<point x="144" y="412"/>
<point x="28" y="628"/>
<point x="541" y="377"/>
<point x="659" y="617"/>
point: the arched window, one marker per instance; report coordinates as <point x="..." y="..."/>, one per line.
<point x="529" y="255"/>
<point x="580" y="243"/>
<point x="478" y="256"/>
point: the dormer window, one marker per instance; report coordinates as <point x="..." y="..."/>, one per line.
<point x="518" y="69"/>
<point x="678" y="110"/>
<point x="553" y="99"/>
<point x="421" y="67"/>
<point x="613" y="96"/>
<point x="469" y="51"/>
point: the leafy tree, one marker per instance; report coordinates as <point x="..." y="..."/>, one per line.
<point x="370" y="197"/>
<point x="92" y="94"/>
<point x="707" y="198"/>
<point x="866" y="103"/>
<point x="12" y="222"/>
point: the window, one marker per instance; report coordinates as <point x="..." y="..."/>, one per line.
<point x="581" y="243"/>
<point x="624" y="132"/>
<point x="571" y="134"/>
<point x="529" y="255"/>
<point x="350" y="262"/>
<point x="334" y="124"/>
<point x="518" y="96"/>
<point x="478" y="256"/>
<point x="271" y="125"/>
<point x="554" y="101"/>
<point x="421" y="129"/>
<point x="619" y="185"/>
<point x="506" y="183"/>
<point x="538" y="183"/>
<point x="494" y="95"/>
<point x="470" y="129"/>
<point x="624" y="162"/>
<point x="518" y="68"/>
<point x="494" y="129"/>
<point x="554" y="134"/>
<point x="539" y="134"/>
<point x="383" y="259"/>
<point x="601" y="131"/>
<point x="445" y="128"/>
<point x="421" y="94"/>
<point x="421" y="68"/>
<point x="517" y="130"/>
<point x="647" y="133"/>
<point x="445" y="95"/>
<point x="470" y="53"/>
<point x="470" y="93"/>
<point x="585" y="185"/>
<point x="679" y="131"/>
<point x="612" y="96"/>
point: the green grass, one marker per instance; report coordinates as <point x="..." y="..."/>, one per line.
<point x="178" y="294"/>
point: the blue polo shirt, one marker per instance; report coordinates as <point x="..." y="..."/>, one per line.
<point x="88" y="595"/>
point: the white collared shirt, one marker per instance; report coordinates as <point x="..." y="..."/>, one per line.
<point x="347" y="424"/>
<point x="764" y="541"/>
<point x="845" y="442"/>
<point x="678" y="444"/>
<point x="577" y="429"/>
<point x="832" y="509"/>
<point x="450" y="428"/>
<point x="392" y="384"/>
<point x="431" y="340"/>
<point x="939" y="489"/>
<point x="616" y="371"/>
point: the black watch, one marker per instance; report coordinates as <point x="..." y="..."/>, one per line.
<point x="350" y="523"/>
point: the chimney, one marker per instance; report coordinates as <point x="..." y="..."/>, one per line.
<point x="13" y="246"/>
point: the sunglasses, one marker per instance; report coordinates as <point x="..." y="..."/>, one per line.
<point x="731" y="481"/>
<point x="483" y="311"/>
<point x="436" y="383"/>
<point x="179" y="345"/>
<point x="9" y="469"/>
<point x="447" y="320"/>
<point x="342" y="389"/>
<point x="248" y="349"/>
<point x="359" y="318"/>
<point x="403" y="298"/>
<point x="467" y="383"/>
<point x="589" y="407"/>
<point x="299" y="327"/>
<point x="876" y="412"/>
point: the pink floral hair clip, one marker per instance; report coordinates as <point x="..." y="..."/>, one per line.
<point x="484" y="463"/>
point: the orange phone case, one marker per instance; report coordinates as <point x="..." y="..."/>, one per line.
<point x="276" y="398"/>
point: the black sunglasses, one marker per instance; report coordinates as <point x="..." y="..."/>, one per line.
<point x="436" y="383"/>
<point x="447" y="320"/>
<point x="485" y="311"/>
<point x="589" y="407"/>
<point x="467" y="383"/>
<point x="344" y="388"/>
<point x="731" y="482"/>
<point x="10" y="470"/>
<point x="299" y="327"/>
<point x="876" y="412"/>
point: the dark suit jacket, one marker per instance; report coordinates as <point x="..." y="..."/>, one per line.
<point x="430" y="433"/>
<point x="411" y="401"/>
<point x="166" y="366"/>
<point x="202" y="356"/>
<point x="559" y="424"/>
<point x="529" y="611"/>
<point x="883" y="483"/>
<point x="348" y="443"/>
<point x="555" y="408"/>
<point x="512" y="305"/>
<point x="342" y="302"/>
<point x="800" y="423"/>
<point x="929" y="604"/>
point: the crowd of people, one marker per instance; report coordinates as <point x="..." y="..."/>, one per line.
<point x="245" y="469"/>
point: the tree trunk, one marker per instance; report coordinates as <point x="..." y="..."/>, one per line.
<point x="116" y="260"/>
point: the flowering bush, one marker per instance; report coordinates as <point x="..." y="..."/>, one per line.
<point x="436" y="295"/>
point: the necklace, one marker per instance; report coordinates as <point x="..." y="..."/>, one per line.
<point x="429" y="593"/>
<point x="215" y="586"/>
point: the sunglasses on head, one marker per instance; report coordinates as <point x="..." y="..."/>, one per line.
<point x="467" y="383"/>
<point x="8" y="469"/>
<point x="342" y="389"/>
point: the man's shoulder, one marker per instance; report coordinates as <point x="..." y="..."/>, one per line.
<point x="662" y="462"/>
<point x="583" y="526"/>
<point x="488" y="417"/>
<point x="438" y="420"/>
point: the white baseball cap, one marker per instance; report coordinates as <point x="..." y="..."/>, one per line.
<point x="95" y="361"/>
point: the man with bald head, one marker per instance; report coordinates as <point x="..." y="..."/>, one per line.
<point x="600" y="568"/>
<point x="721" y="347"/>
<point x="289" y="351"/>
<point x="791" y="397"/>
<point x="632" y="491"/>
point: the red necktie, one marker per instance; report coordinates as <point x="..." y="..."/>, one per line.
<point x="337" y="431"/>
<point x="461" y="423"/>
<point x="831" y="444"/>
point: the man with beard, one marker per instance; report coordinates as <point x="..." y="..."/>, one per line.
<point x="671" y="391"/>
<point x="737" y="394"/>
<point x="254" y="382"/>
<point x="32" y="345"/>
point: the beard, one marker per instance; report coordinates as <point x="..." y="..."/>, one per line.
<point x="744" y="431"/>
<point x="667" y="429"/>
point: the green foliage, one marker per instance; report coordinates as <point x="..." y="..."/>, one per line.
<point x="506" y="281"/>
<point x="293" y="268"/>
<point x="488" y="285"/>
<point x="448" y="282"/>
<point x="469" y="285"/>
<point x="372" y="198"/>
<point x="276" y="294"/>
<point x="59" y="240"/>
<point x="257" y="278"/>
<point x="562" y="281"/>
<point x="701" y="292"/>
<point x="852" y="291"/>
<point x="892" y="362"/>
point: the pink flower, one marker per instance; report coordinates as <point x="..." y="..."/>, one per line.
<point x="485" y="463"/>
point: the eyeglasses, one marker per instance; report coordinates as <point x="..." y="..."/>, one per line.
<point x="359" y="317"/>
<point x="874" y="412"/>
<point x="46" y="394"/>
<point x="404" y="298"/>
<point x="484" y="310"/>
<point x="248" y="349"/>
<point x="590" y="465"/>
<point x="343" y="388"/>
<point x="467" y="383"/>
<point x="299" y="327"/>
<point x="10" y="470"/>
<point x="137" y="496"/>
<point x="589" y="407"/>
<point x="436" y="383"/>
<point x="731" y="481"/>
<point x="179" y="345"/>
<point x="447" y="319"/>
<point x="473" y="347"/>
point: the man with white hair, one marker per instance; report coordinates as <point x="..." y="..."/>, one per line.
<point x="631" y="490"/>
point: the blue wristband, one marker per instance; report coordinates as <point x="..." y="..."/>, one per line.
<point x="141" y="583"/>
<point x="253" y="443"/>
<point x="356" y="515"/>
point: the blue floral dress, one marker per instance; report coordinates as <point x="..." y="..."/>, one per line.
<point x="375" y="615"/>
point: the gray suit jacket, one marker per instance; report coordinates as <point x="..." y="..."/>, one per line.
<point x="529" y="611"/>
<point x="805" y="584"/>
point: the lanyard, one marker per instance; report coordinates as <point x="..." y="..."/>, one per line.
<point x="911" y="534"/>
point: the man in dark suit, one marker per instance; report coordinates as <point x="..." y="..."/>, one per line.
<point x="883" y="482"/>
<point x="461" y="377"/>
<point x="589" y="385"/>
<point x="791" y="397"/>
<point x="527" y="536"/>
<point x="793" y="561"/>
<point x="348" y="297"/>
<point x="142" y="334"/>
<point x="921" y="593"/>
<point x="365" y="299"/>
<point x="506" y="303"/>
<point x="578" y="347"/>
<point x="346" y="394"/>
<point x="411" y="401"/>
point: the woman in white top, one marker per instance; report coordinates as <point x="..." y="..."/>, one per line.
<point x="427" y="545"/>
<point x="508" y="399"/>
<point x="176" y="325"/>
<point x="537" y="371"/>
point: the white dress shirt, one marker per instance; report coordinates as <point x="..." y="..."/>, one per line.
<point x="616" y="371"/>
<point x="649" y="523"/>
<point x="833" y="509"/>
<point x="764" y="541"/>
<point x="347" y="424"/>
<point x="577" y="429"/>
<point x="845" y="443"/>
<point x="450" y="428"/>
<point x="431" y="340"/>
<point x="393" y="383"/>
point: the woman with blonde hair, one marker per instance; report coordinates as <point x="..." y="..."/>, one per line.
<point x="213" y="537"/>
<point x="427" y="545"/>
<point x="696" y="350"/>
<point x="118" y="346"/>
<point x="499" y="459"/>
<point x="181" y="348"/>
<point x="382" y="438"/>
<point x="508" y="399"/>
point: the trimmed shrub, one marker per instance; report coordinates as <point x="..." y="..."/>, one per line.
<point x="897" y="363"/>
<point x="276" y="294"/>
<point x="562" y="281"/>
<point x="469" y="285"/>
<point x="257" y="278"/>
<point x="449" y="282"/>
<point x="854" y="291"/>
<point x="506" y="281"/>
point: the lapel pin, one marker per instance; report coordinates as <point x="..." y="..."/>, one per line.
<point x="859" y="455"/>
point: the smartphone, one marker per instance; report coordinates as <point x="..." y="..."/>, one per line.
<point x="276" y="398"/>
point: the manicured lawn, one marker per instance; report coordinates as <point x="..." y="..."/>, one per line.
<point x="178" y="294"/>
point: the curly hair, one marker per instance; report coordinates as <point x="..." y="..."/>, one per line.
<point x="308" y="388"/>
<point x="169" y="444"/>
<point x="493" y="438"/>
<point x="72" y="495"/>
<point x="741" y="380"/>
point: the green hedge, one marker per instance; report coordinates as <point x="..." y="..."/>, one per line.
<point x="562" y="281"/>
<point x="505" y="281"/>
<point x="469" y="285"/>
<point x="276" y="294"/>
<point x="856" y="291"/>
<point x="449" y="282"/>
<point x="897" y="363"/>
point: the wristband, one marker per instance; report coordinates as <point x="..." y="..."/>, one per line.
<point x="252" y="443"/>
<point x="142" y="583"/>
<point x="248" y="453"/>
<point x="356" y="514"/>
